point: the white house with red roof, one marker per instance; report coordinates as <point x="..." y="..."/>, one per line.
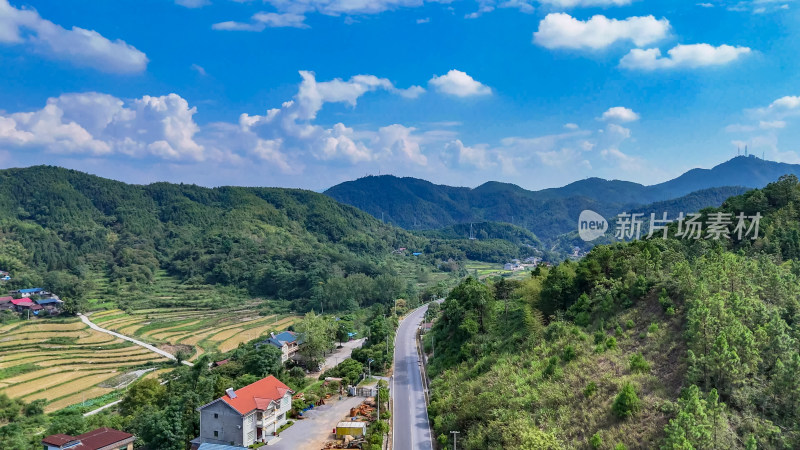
<point x="247" y="415"/>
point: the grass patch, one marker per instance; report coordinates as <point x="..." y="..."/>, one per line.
<point x="18" y="370"/>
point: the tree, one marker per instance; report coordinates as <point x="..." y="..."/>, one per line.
<point x="141" y="394"/>
<point x="343" y="330"/>
<point x="262" y="360"/>
<point x="627" y="403"/>
<point x="316" y="335"/>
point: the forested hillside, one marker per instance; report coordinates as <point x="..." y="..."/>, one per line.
<point x="418" y="204"/>
<point x="64" y="228"/>
<point x="673" y="344"/>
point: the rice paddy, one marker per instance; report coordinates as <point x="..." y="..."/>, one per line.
<point x="64" y="361"/>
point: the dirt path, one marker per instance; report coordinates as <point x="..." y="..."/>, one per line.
<point x="130" y="339"/>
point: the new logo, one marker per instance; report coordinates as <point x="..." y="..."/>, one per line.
<point x="591" y="225"/>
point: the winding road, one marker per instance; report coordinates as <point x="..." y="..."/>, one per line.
<point x="411" y="426"/>
<point x="93" y="326"/>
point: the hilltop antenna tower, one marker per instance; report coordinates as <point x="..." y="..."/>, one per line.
<point x="471" y="233"/>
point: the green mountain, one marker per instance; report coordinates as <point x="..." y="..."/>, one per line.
<point x="661" y="343"/>
<point x="64" y="228"/>
<point x="418" y="204"/>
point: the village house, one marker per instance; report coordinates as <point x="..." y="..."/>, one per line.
<point x="6" y="303"/>
<point x="99" y="439"/>
<point x="26" y="293"/>
<point x="287" y="343"/>
<point x="245" y="416"/>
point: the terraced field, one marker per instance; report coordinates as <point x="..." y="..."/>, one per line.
<point x="203" y="330"/>
<point x="64" y="362"/>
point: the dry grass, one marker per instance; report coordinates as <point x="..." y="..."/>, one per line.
<point x="79" y="386"/>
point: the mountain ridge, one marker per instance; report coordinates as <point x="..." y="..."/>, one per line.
<point x="413" y="203"/>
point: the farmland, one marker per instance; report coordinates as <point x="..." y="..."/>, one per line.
<point x="195" y="331"/>
<point x="64" y="361"/>
<point x="483" y="270"/>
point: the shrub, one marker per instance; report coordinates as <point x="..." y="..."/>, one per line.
<point x="620" y="446"/>
<point x="569" y="353"/>
<point x="590" y="389"/>
<point x="627" y="403"/>
<point x="629" y="324"/>
<point x="552" y="370"/>
<point x="599" y="336"/>
<point x="638" y="364"/>
<point x="618" y="331"/>
<point x="652" y="328"/>
<point x="665" y="301"/>
<point x="611" y="343"/>
<point x="596" y="441"/>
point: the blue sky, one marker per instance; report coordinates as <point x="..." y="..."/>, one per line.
<point x="310" y="93"/>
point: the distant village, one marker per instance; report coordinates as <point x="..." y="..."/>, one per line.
<point x="36" y="301"/>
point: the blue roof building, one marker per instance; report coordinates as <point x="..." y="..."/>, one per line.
<point x="31" y="291"/>
<point x="47" y="301"/>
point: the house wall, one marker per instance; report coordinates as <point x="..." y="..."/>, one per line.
<point x="228" y="424"/>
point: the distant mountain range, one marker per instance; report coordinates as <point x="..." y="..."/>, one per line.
<point x="418" y="204"/>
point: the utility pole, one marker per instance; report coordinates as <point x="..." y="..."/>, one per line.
<point x="455" y="437"/>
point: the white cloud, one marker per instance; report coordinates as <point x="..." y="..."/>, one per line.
<point x="459" y="84"/>
<point x="292" y="13"/>
<point x="78" y="46"/>
<point x="584" y="3"/>
<point x="683" y="56"/>
<point x="192" y="3"/>
<point x="263" y="20"/>
<point x="399" y="140"/>
<point x="199" y="69"/>
<point x="622" y="160"/>
<point x="101" y="124"/>
<point x="788" y="102"/>
<point x="560" y="30"/>
<point x="772" y="124"/>
<point x="163" y="127"/>
<point x="620" y="114"/>
<point x="571" y="126"/>
<point x="456" y="154"/>
<point x="425" y="20"/>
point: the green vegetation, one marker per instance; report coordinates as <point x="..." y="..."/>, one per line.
<point x="717" y="366"/>
<point x="99" y="242"/>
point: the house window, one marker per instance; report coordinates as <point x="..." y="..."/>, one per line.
<point x="216" y="416"/>
<point x="216" y="433"/>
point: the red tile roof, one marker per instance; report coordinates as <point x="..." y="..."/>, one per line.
<point x="6" y="299"/>
<point x="93" y="440"/>
<point x="22" y="301"/>
<point x="102" y="437"/>
<point x="58" y="439"/>
<point x="257" y="395"/>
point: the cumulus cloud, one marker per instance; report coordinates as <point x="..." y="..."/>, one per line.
<point x="290" y="128"/>
<point x="683" y="56"/>
<point x="456" y="154"/>
<point x="459" y="84"/>
<point x="560" y="30"/>
<point x="620" y="114"/>
<point x="24" y="27"/>
<point x="100" y="124"/>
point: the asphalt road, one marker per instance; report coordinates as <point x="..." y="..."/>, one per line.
<point x="411" y="428"/>
<point x="312" y="432"/>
